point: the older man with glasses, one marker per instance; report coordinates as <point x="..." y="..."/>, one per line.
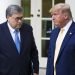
<point x="18" y="51"/>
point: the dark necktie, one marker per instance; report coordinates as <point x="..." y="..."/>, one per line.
<point x="17" y="41"/>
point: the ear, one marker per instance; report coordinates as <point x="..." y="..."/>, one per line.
<point x="8" y="17"/>
<point x="66" y="16"/>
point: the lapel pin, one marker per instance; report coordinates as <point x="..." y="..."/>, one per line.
<point x="70" y="33"/>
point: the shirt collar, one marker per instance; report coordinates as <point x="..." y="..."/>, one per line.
<point x="67" y="26"/>
<point x="10" y="28"/>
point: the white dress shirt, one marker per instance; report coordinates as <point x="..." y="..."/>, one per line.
<point x="12" y="32"/>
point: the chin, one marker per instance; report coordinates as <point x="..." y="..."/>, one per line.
<point x="18" y="27"/>
<point x="56" y="24"/>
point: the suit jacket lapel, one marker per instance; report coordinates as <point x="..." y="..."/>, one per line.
<point x="24" y="38"/>
<point x="53" y="40"/>
<point x="9" y="38"/>
<point x="70" y="32"/>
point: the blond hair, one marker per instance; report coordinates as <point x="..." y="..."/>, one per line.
<point x="65" y="8"/>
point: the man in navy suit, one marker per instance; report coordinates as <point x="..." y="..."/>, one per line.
<point x="61" y="54"/>
<point x="14" y="62"/>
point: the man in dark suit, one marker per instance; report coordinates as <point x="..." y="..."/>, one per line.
<point x="61" y="54"/>
<point x="13" y="61"/>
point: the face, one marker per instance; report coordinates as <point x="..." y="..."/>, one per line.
<point x="15" y="20"/>
<point x="58" y="18"/>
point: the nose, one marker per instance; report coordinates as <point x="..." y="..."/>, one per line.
<point x="20" y="20"/>
<point x="53" y="17"/>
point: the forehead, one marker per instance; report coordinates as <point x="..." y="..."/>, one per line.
<point x="18" y="15"/>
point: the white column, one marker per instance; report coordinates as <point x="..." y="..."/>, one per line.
<point x="3" y="5"/>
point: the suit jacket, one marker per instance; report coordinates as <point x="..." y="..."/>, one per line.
<point x="13" y="63"/>
<point x="65" y="64"/>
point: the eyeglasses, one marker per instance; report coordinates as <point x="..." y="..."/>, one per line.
<point x="18" y="18"/>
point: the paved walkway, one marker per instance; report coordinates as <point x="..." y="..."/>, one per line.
<point x="42" y="72"/>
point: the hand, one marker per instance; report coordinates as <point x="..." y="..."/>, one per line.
<point x="35" y="74"/>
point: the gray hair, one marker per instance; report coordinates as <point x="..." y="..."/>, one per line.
<point x="13" y="9"/>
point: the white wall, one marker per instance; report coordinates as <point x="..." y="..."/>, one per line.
<point x="3" y="5"/>
<point x="72" y="6"/>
